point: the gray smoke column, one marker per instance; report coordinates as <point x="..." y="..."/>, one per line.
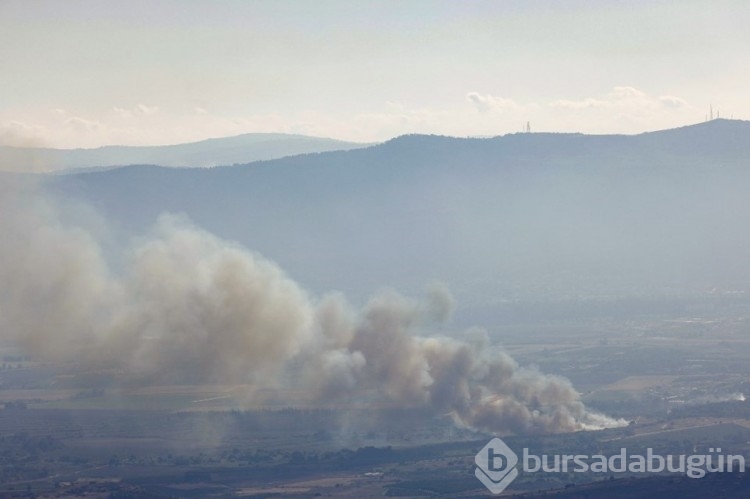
<point x="181" y="304"/>
<point x="477" y="384"/>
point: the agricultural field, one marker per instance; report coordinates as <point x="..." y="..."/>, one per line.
<point x="97" y="434"/>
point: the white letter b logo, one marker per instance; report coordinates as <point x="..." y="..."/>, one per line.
<point x="496" y="466"/>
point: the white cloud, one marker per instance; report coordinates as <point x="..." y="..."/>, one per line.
<point x="622" y="99"/>
<point x="624" y="109"/>
<point x="626" y="93"/>
<point x="488" y="102"/>
<point x="21" y="134"/>
<point x="578" y="104"/>
<point x="123" y="113"/>
<point x="618" y="97"/>
<point x="672" y="102"/>
<point x="83" y="125"/>
<point x="137" y="110"/>
<point x="147" y="110"/>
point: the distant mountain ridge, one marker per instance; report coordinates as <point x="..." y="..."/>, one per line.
<point x="521" y="216"/>
<point x="210" y="152"/>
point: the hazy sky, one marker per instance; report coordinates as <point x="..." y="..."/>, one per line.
<point x="89" y="73"/>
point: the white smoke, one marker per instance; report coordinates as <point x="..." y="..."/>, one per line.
<point x="181" y="304"/>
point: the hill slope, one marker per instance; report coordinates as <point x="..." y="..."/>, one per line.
<point x="212" y="152"/>
<point x="524" y="216"/>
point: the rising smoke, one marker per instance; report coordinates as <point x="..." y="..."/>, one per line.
<point x="181" y="304"/>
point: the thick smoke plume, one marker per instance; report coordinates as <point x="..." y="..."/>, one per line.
<point x="181" y="304"/>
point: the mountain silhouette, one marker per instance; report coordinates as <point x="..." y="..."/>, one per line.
<point x="211" y="152"/>
<point x="519" y="217"/>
